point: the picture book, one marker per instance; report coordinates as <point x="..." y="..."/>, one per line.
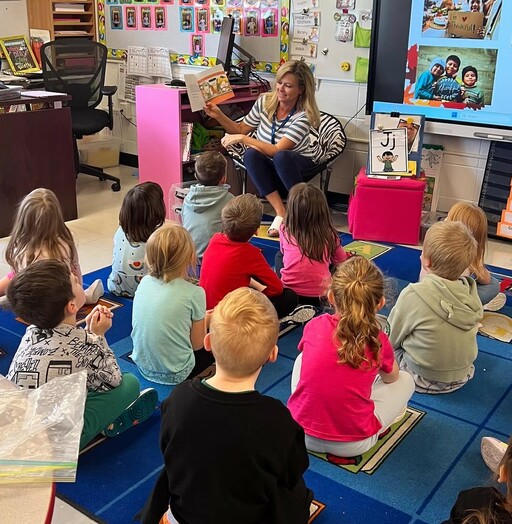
<point x="211" y="85"/>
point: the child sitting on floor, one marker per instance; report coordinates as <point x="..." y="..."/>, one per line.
<point x="169" y="312"/>
<point x="487" y="286"/>
<point x="48" y="297"/>
<point x="39" y="232"/>
<point x="486" y="505"/>
<point x="201" y="211"/>
<point x="231" y="455"/>
<point x="434" y="322"/>
<point x="335" y="395"/>
<point x="142" y="211"/>
<point x="309" y="244"/>
<point x="231" y="262"/>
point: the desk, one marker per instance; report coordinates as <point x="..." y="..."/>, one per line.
<point x="160" y="111"/>
<point x="36" y="150"/>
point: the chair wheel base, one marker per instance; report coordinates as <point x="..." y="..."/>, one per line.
<point x="116" y="186"/>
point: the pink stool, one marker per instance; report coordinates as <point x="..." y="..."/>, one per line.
<point x="386" y="210"/>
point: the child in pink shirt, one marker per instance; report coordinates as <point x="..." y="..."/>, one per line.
<point x="309" y="245"/>
<point x="346" y="385"/>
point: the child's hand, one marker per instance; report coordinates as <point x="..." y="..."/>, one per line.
<point x="99" y="320"/>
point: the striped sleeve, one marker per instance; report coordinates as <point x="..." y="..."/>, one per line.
<point x="253" y="118"/>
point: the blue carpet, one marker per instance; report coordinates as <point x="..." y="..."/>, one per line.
<point x="417" y="483"/>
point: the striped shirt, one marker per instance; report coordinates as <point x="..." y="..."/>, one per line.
<point x="296" y="129"/>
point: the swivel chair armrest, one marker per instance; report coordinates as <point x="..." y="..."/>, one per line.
<point x="109" y="92"/>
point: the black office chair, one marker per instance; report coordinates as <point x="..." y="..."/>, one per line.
<point x="76" y="66"/>
<point x="328" y="142"/>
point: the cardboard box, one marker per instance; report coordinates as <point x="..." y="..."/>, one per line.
<point x="99" y="150"/>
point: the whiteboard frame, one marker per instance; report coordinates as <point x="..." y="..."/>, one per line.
<point x="205" y="61"/>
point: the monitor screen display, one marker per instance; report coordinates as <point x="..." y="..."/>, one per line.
<point x="226" y="42"/>
<point x="449" y="60"/>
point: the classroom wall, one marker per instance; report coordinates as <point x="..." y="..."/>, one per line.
<point x="464" y="159"/>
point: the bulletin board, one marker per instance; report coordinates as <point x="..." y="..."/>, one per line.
<point x="263" y="28"/>
<point x="333" y="36"/>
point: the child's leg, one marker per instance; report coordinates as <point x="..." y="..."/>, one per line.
<point x="203" y="360"/>
<point x="391" y="399"/>
<point x="487" y="292"/>
<point x="102" y="408"/>
<point x="285" y="303"/>
<point x="278" y="263"/>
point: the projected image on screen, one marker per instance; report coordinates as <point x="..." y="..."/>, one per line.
<point x="450" y="77"/>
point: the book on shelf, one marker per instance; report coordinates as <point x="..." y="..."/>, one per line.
<point x="62" y="8"/>
<point x="70" y="33"/>
<point x="211" y="85"/>
<point x="187" y="129"/>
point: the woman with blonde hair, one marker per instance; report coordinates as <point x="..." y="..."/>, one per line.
<point x="281" y="150"/>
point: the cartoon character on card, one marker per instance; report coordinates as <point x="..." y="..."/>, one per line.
<point x="387" y="159"/>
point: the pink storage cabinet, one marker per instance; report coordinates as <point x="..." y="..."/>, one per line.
<point x="160" y="111"/>
<point x="386" y="210"/>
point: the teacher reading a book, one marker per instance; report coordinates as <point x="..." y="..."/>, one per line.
<point x="281" y="150"/>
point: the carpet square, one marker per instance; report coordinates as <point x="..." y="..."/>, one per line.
<point x="500" y="419"/>
<point x="370" y="461"/>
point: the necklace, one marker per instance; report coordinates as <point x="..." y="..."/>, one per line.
<point x="283" y="123"/>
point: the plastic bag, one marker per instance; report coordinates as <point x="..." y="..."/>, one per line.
<point x="41" y="429"/>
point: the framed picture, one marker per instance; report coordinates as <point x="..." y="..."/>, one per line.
<point x="388" y="151"/>
<point x="19" y="56"/>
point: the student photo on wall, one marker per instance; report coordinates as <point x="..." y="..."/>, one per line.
<point x="196" y="45"/>
<point x="145" y="18"/>
<point x="252" y="22"/>
<point x="202" y="25"/>
<point x="116" y="17"/>
<point x="131" y="17"/>
<point x="217" y="16"/>
<point x="186" y="19"/>
<point x="160" y="18"/>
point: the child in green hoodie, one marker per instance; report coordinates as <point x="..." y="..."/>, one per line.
<point x="434" y="322"/>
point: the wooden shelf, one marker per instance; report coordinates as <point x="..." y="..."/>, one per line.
<point x="43" y="15"/>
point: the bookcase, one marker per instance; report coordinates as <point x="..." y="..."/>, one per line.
<point x="63" y="18"/>
<point x="161" y="110"/>
<point x="496" y="193"/>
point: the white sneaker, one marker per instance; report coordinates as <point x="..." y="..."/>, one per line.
<point x="94" y="292"/>
<point x="492" y="451"/>
<point x="496" y="303"/>
<point x="300" y="315"/>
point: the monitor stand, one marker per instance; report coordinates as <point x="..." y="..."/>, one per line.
<point x="243" y="80"/>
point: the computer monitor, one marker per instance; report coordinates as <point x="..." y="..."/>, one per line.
<point x="226" y="43"/>
<point x="225" y="54"/>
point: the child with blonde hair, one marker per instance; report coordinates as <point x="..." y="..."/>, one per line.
<point x="487" y="286"/>
<point x="346" y="385"/>
<point x="434" y="323"/>
<point x="309" y="244"/>
<point x="487" y="505"/>
<point x="142" y="211"/>
<point x="222" y="424"/>
<point x="40" y="233"/>
<point x="168" y="311"/>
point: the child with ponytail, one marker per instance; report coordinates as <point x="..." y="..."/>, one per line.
<point x="346" y="385"/>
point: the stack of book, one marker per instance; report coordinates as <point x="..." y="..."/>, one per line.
<point x="66" y="8"/>
<point x="10" y="93"/>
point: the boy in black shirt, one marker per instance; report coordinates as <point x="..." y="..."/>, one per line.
<point x="231" y="455"/>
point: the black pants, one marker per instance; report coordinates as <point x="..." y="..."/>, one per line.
<point x="285" y="303"/>
<point x="204" y="359"/>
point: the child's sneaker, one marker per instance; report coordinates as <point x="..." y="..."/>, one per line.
<point x="300" y="315"/>
<point x="492" y="451"/>
<point x="94" y="292"/>
<point x="138" y="411"/>
<point x="496" y="303"/>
